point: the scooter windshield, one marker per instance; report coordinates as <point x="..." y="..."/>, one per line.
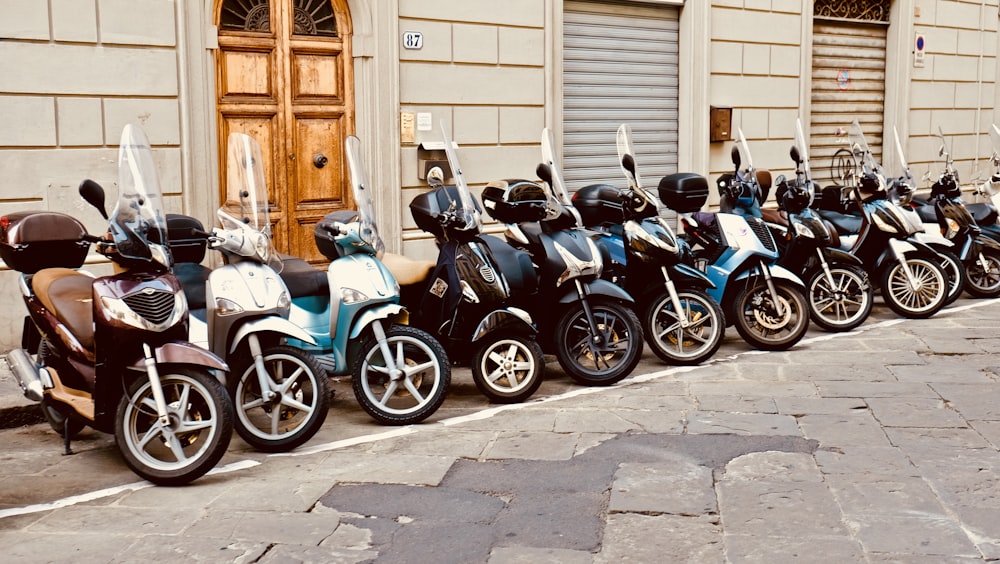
<point x="466" y="211"/>
<point x="246" y="187"/>
<point x="803" y="148"/>
<point x="138" y="225"/>
<point x="745" y="169"/>
<point x="363" y="196"/>
<point x="627" y="147"/>
<point x="556" y="193"/>
<point x="862" y="153"/>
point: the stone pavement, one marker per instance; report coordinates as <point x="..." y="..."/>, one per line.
<point x="880" y="445"/>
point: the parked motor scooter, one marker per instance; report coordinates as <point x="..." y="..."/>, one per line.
<point x="555" y="268"/>
<point x="400" y="374"/>
<point x="986" y="194"/>
<point x="765" y="301"/>
<point x="909" y="273"/>
<point x="946" y="212"/>
<point x="112" y="352"/>
<point x="838" y="291"/>
<point x="280" y="393"/>
<point x="680" y="321"/>
<point x="463" y="298"/>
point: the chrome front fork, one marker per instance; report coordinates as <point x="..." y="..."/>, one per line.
<point x="674" y="298"/>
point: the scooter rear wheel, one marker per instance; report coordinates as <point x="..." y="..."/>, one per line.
<point x="679" y="345"/>
<point x="196" y="437"/>
<point x="929" y="295"/>
<point x="409" y="386"/>
<point x="299" y="405"/>
<point x="984" y="282"/>
<point x="598" y="363"/>
<point x="508" y="368"/>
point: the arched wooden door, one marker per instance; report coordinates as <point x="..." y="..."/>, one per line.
<point x="284" y="75"/>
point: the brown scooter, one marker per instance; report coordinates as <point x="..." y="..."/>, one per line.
<point x="112" y="352"/>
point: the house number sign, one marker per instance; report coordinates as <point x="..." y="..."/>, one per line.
<point x="413" y="40"/>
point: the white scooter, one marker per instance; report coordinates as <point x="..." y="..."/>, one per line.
<point x="240" y="311"/>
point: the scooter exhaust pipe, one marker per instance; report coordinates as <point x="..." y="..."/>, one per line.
<point x="27" y="374"/>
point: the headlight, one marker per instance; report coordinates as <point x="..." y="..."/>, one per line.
<point x="952" y="228"/>
<point x="352" y="296"/>
<point x="225" y="306"/>
<point x="803" y="230"/>
<point x="468" y="293"/>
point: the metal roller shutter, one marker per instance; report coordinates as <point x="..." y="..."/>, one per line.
<point x="848" y="82"/>
<point x="619" y="66"/>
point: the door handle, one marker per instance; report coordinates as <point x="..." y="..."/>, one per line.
<point x="319" y="160"/>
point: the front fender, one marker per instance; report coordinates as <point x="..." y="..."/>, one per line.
<point x="776" y="272"/>
<point x="383" y="311"/>
<point x="693" y="276"/>
<point x="270" y="324"/>
<point x="841" y="256"/>
<point x="599" y="287"/>
<point x="514" y="319"/>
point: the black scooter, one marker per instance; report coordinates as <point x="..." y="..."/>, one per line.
<point x="463" y="298"/>
<point x="555" y="270"/>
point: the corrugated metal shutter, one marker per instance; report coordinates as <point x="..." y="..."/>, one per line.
<point x="619" y="66"/>
<point x="848" y="82"/>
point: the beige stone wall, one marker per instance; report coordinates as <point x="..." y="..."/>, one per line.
<point x="74" y="73"/>
<point x="956" y="88"/>
<point x="756" y="53"/>
<point x="481" y="69"/>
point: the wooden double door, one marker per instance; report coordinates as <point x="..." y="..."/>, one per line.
<point x="284" y="76"/>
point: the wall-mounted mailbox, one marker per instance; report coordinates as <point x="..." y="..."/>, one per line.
<point x="720" y="123"/>
<point x="431" y="154"/>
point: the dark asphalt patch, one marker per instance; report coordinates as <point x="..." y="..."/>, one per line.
<point x="533" y="503"/>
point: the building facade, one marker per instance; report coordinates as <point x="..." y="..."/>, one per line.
<point x="300" y="75"/>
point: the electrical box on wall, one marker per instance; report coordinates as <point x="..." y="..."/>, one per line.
<point x="431" y="154"/>
<point x="720" y="123"/>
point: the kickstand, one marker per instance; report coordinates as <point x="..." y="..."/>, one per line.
<point x="66" y="438"/>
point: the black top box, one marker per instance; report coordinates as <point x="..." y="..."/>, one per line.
<point x="515" y="201"/>
<point x="33" y="240"/>
<point x="683" y="192"/>
<point x="599" y="203"/>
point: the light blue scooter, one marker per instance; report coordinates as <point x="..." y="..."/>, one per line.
<point x="400" y="374"/>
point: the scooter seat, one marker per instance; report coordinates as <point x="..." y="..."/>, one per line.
<point x="407" y="271"/>
<point x="983" y="213"/>
<point x="302" y="279"/>
<point x="778" y="217"/>
<point x="69" y="295"/>
<point x="193" y="278"/>
<point x="845" y="224"/>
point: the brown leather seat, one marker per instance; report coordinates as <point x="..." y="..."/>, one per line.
<point x="69" y="295"/>
<point x="407" y="271"/>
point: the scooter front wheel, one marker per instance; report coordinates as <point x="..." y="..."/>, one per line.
<point x="409" y="385"/>
<point x="611" y="355"/>
<point x="195" y="437"/>
<point x="841" y="301"/>
<point x="292" y="410"/>
<point x="508" y="368"/>
<point x="920" y="298"/>
<point x="763" y="325"/>
<point x="670" y="340"/>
